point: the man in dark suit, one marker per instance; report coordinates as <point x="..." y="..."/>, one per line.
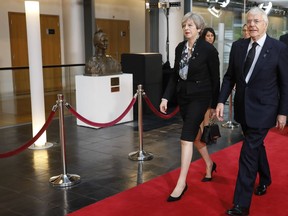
<point x="284" y="38"/>
<point x="260" y="103"/>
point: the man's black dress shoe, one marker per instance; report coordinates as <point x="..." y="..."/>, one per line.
<point x="173" y="199"/>
<point x="237" y="210"/>
<point x="260" y="190"/>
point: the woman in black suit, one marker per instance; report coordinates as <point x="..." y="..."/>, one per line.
<point x="196" y="83"/>
<point x="208" y="34"/>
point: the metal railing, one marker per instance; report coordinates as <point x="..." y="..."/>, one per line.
<point x="15" y="104"/>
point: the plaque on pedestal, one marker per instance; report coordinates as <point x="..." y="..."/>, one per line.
<point x="102" y="99"/>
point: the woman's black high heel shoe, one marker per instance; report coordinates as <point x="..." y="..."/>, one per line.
<point x="172" y="199"/>
<point x="206" y="179"/>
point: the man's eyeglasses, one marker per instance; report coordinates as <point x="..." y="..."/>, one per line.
<point x="255" y="21"/>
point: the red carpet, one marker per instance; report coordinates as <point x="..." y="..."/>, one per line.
<point x="203" y="199"/>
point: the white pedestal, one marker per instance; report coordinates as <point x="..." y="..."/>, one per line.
<point x="96" y="101"/>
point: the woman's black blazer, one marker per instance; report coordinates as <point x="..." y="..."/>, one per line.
<point x="203" y="72"/>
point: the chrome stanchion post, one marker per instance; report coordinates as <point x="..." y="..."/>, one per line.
<point x="230" y="124"/>
<point x="140" y="155"/>
<point x="65" y="179"/>
<point x="140" y="173"/>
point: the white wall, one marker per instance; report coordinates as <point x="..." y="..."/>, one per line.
<point x="175" y="31"/>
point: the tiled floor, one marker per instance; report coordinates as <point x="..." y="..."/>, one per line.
<point x="99" y="156"/>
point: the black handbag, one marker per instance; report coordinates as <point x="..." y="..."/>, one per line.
<point x="211" y="133"/>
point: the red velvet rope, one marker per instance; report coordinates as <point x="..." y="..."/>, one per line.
<point x="156" y="112"/>
<point x="95" y="124"/>
<point x="30" y="142"/>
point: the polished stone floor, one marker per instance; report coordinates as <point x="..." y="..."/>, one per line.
<point x="98" y="156"/>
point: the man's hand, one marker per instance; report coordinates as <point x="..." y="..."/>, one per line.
<point x="220" y="111"/>
<point x="281" y="121"/>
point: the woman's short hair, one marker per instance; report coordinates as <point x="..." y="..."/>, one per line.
<point x="196" y="18"/>
<point x="206" y="30"/>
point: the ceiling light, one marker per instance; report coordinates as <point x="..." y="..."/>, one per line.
<point x="224" y="3"/>
<point x="215" y="11"/>
<point x="266" y="7"/>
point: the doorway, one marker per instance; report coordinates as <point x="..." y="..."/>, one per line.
<point x="51" y="52"/>
<point x="118" y="33"/>
<point x="19" y="103"/>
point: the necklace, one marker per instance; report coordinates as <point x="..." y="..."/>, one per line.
<point x="193" y="47"/>
<point x="191" y="50"/>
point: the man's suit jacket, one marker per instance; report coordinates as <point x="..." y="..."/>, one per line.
<point x="203" y="72"/>
<point x="284" y="38"/>
<point x="258" y="102"/>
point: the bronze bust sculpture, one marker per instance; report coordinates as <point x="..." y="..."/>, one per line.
<point x="101" y="64"/>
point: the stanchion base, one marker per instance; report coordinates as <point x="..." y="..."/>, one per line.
<point x="65" y="180"/>
<point x="140" y="156"/>
<point x="47" y="145"/>
<point x="230" y="124"/>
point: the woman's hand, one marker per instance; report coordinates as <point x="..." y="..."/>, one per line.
<point x="163" y="105"/>
<point x="212" y="114"/>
